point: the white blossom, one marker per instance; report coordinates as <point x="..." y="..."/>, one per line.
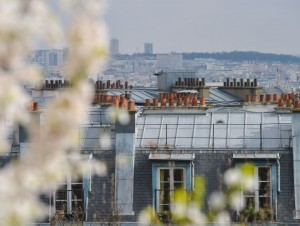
<point x="236" y="201"/>
<point x="217" y="200"/>
<point x="222" y="219"/>
<point x="77" y="24"/>
<point x="232" y="177"/>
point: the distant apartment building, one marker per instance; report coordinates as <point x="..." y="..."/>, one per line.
<point x="173" y="61"/>
<point x="50" y="61"/>
<point x="47" y="58"/>
<point x="114" y="46"/>
<point x="148" y="48"/>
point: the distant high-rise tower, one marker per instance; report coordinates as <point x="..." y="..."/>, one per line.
<point x="148" y="48"/>
<point x="114" y="46"/>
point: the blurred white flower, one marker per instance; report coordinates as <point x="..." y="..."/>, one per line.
<point x="232" y="177"/>
<point x="123" y="117"/>
<point x="217" y="201"/>
<point x="12" y="100"/>
<point x="236" y="201"/>
<point x="222" y="219"/>
<point x="120" y="115"/>
<point x="98" y="168"/>
<point x="4" y="132"/>
<point x="144" y="217"/>
<point x="248" y="183"/>
<point x="179" y="209"/>
<point x="195" y="216"/>
<point x="46" y="163"/>
<point x="105" y="140"/>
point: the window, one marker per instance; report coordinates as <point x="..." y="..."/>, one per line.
<point x="264" y="195"/>
<point x="168" y="176"/>
<point x="169" y="180"/>
<point x="70" y="197"/>
<point x="261" y="197"/>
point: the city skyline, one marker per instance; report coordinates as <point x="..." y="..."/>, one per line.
<point x="269" y="26"/>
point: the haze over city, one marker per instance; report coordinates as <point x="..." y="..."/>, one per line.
<point x="205" y="26"/>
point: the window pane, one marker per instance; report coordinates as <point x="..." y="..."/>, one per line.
<point x="264" y="173"/>
<point x="250" y="202"/>
<point x="164" y="200"/>
<point x="264" y="202"/>
<point x="264" y="188"/>
<point x="77" y="194"/>
<point x="163" y="208"/>
<point x="77" y="205"/>
<point x="61" y="205"/>
<point x="164" y="175"/>
<point x="61" y="195"/>
<point x="77" y="186"/>
<point x="178" y="175"/>
<point x="178" y="185"/>
<point x="164" y="186"/>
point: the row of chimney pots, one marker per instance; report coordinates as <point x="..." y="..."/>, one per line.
<point x="190" y="82"/>
<point x="100" y="85"/>
<point x="117" y="101"/>
<point x="240" y="83"/>
<point x="287" y="100"/>
<point x="54" y="84"/>
<point x="187" y="101"/>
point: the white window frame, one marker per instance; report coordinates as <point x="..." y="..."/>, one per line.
<point x="256" y="187"/>
<point x="69" y="191"/>
<point x="171" y="183"/>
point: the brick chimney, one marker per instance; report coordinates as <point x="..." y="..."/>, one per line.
<point x="194" y="84"/>
<point x="124" y="168"/>
<point x="242" y="88"/>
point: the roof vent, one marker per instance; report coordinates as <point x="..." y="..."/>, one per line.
<point x="220" y="122"/>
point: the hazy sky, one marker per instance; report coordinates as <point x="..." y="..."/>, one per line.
<point x="206" y="25"/>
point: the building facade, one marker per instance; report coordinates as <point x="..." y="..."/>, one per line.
<point x="148" y="48"/>
<point x="114" y="47"/>
<point x="165" y="146"/>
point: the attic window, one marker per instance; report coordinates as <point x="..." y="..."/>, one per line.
<point x="220" y="122"/>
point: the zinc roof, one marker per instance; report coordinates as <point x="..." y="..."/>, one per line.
<point x="215" y="130"/>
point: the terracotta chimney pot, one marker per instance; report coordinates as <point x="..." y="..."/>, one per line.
<point x="275" y="97"/>
<point x="186" y="101"/>
<point x="171" y="102"/>
<point x="124" y="104"/>
<point x="163" y="102"/>
<point x="161" y="96"/>
<point x="108" y="99"/>
<point x="261" y="98"/>
<point x="247" y="98"/>
<point x="284" y="97"/>
<point x="296" y="104"/>
<point x="202" y="101"/>
<point x="35" y="106"/>
<point x="179" y="101"/>
<point x="148" y="102"/>
<point x="116" y="102"/>
<point x="289" y="103"/>
<point x="268" y="97"/>
<point x="131" y="105"/>
<point x="194" y="101"/>
<point x="255" y="98"/>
